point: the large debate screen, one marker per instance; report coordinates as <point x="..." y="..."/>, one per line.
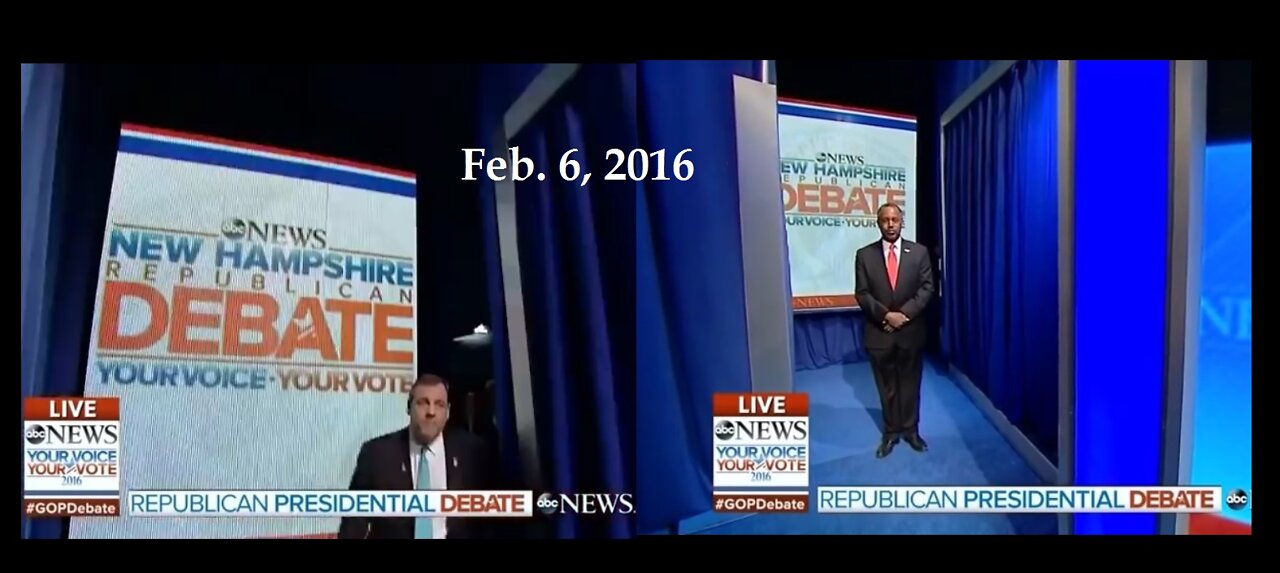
<point x="1222" y="439"/>
<point x="839" y="165"/>
<point x="255" y="314"/>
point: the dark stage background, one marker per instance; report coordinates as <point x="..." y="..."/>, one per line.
<point x="1230" y="113"/>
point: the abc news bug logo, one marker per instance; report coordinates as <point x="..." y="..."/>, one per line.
<point x="1238" y="499"/>
<point x="585" y="503"/>
<point x="761" y="430"/>
<point x="86" y="435"/>
<point x="760" y="440"/>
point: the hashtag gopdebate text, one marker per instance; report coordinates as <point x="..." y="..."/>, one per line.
<point x="762" y="502"/>
<point x="72" y="507"/>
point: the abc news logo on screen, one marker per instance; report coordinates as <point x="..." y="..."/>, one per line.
<point x="586" y="503"/>
<point x="238" y="229"/>
<point x="72" y="435"/>
<point x="762" y="430"/>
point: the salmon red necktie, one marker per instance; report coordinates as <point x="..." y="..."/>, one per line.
<point x="893" y="267"/>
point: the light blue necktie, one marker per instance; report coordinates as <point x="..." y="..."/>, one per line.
<point x="422" y="525"/>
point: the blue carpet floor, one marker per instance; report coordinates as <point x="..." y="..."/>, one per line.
<point x="964" y="449"/>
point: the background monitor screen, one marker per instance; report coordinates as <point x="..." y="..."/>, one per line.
<point x="839" y="165"/>
<point x="255" y="314"/>
<point x="1223" y="429"/>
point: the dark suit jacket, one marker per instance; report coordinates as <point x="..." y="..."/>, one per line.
<point x="383" y="465"/>
<point x="914" y="291"/>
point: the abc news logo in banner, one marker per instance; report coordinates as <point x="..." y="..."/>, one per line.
<point x="71" y="457"/>
<point x="760" y="448"/>
<point x="1237" y="499"/>
<point x="585" y="503"/>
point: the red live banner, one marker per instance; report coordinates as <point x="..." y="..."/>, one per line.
<point x="726" y="404"/>
<point x="66" y="408"/>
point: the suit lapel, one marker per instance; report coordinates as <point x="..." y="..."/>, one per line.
<point x="402" y="451"/>
<point x="452" y="472"/>
<point x="904" y="259"/>
<point x="877" y="263"/>
<point x="451" y="469"/>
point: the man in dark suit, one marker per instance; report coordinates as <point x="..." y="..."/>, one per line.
<point x="894" y="280"/>
<point x="424" y="455"/>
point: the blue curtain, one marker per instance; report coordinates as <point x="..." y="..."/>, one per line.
<point x="576" y="248"/>
<point x="42" y="89"/>
<point x="955" y="76"/>
<point x="1000" y="324"/>
<point x="827" y="338"/>
<point x="41" y="111"/>
<point x="690" y="310"/>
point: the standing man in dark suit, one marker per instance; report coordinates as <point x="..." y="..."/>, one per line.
<point x="894" y="286"/>
<point x="424" y="455"/>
